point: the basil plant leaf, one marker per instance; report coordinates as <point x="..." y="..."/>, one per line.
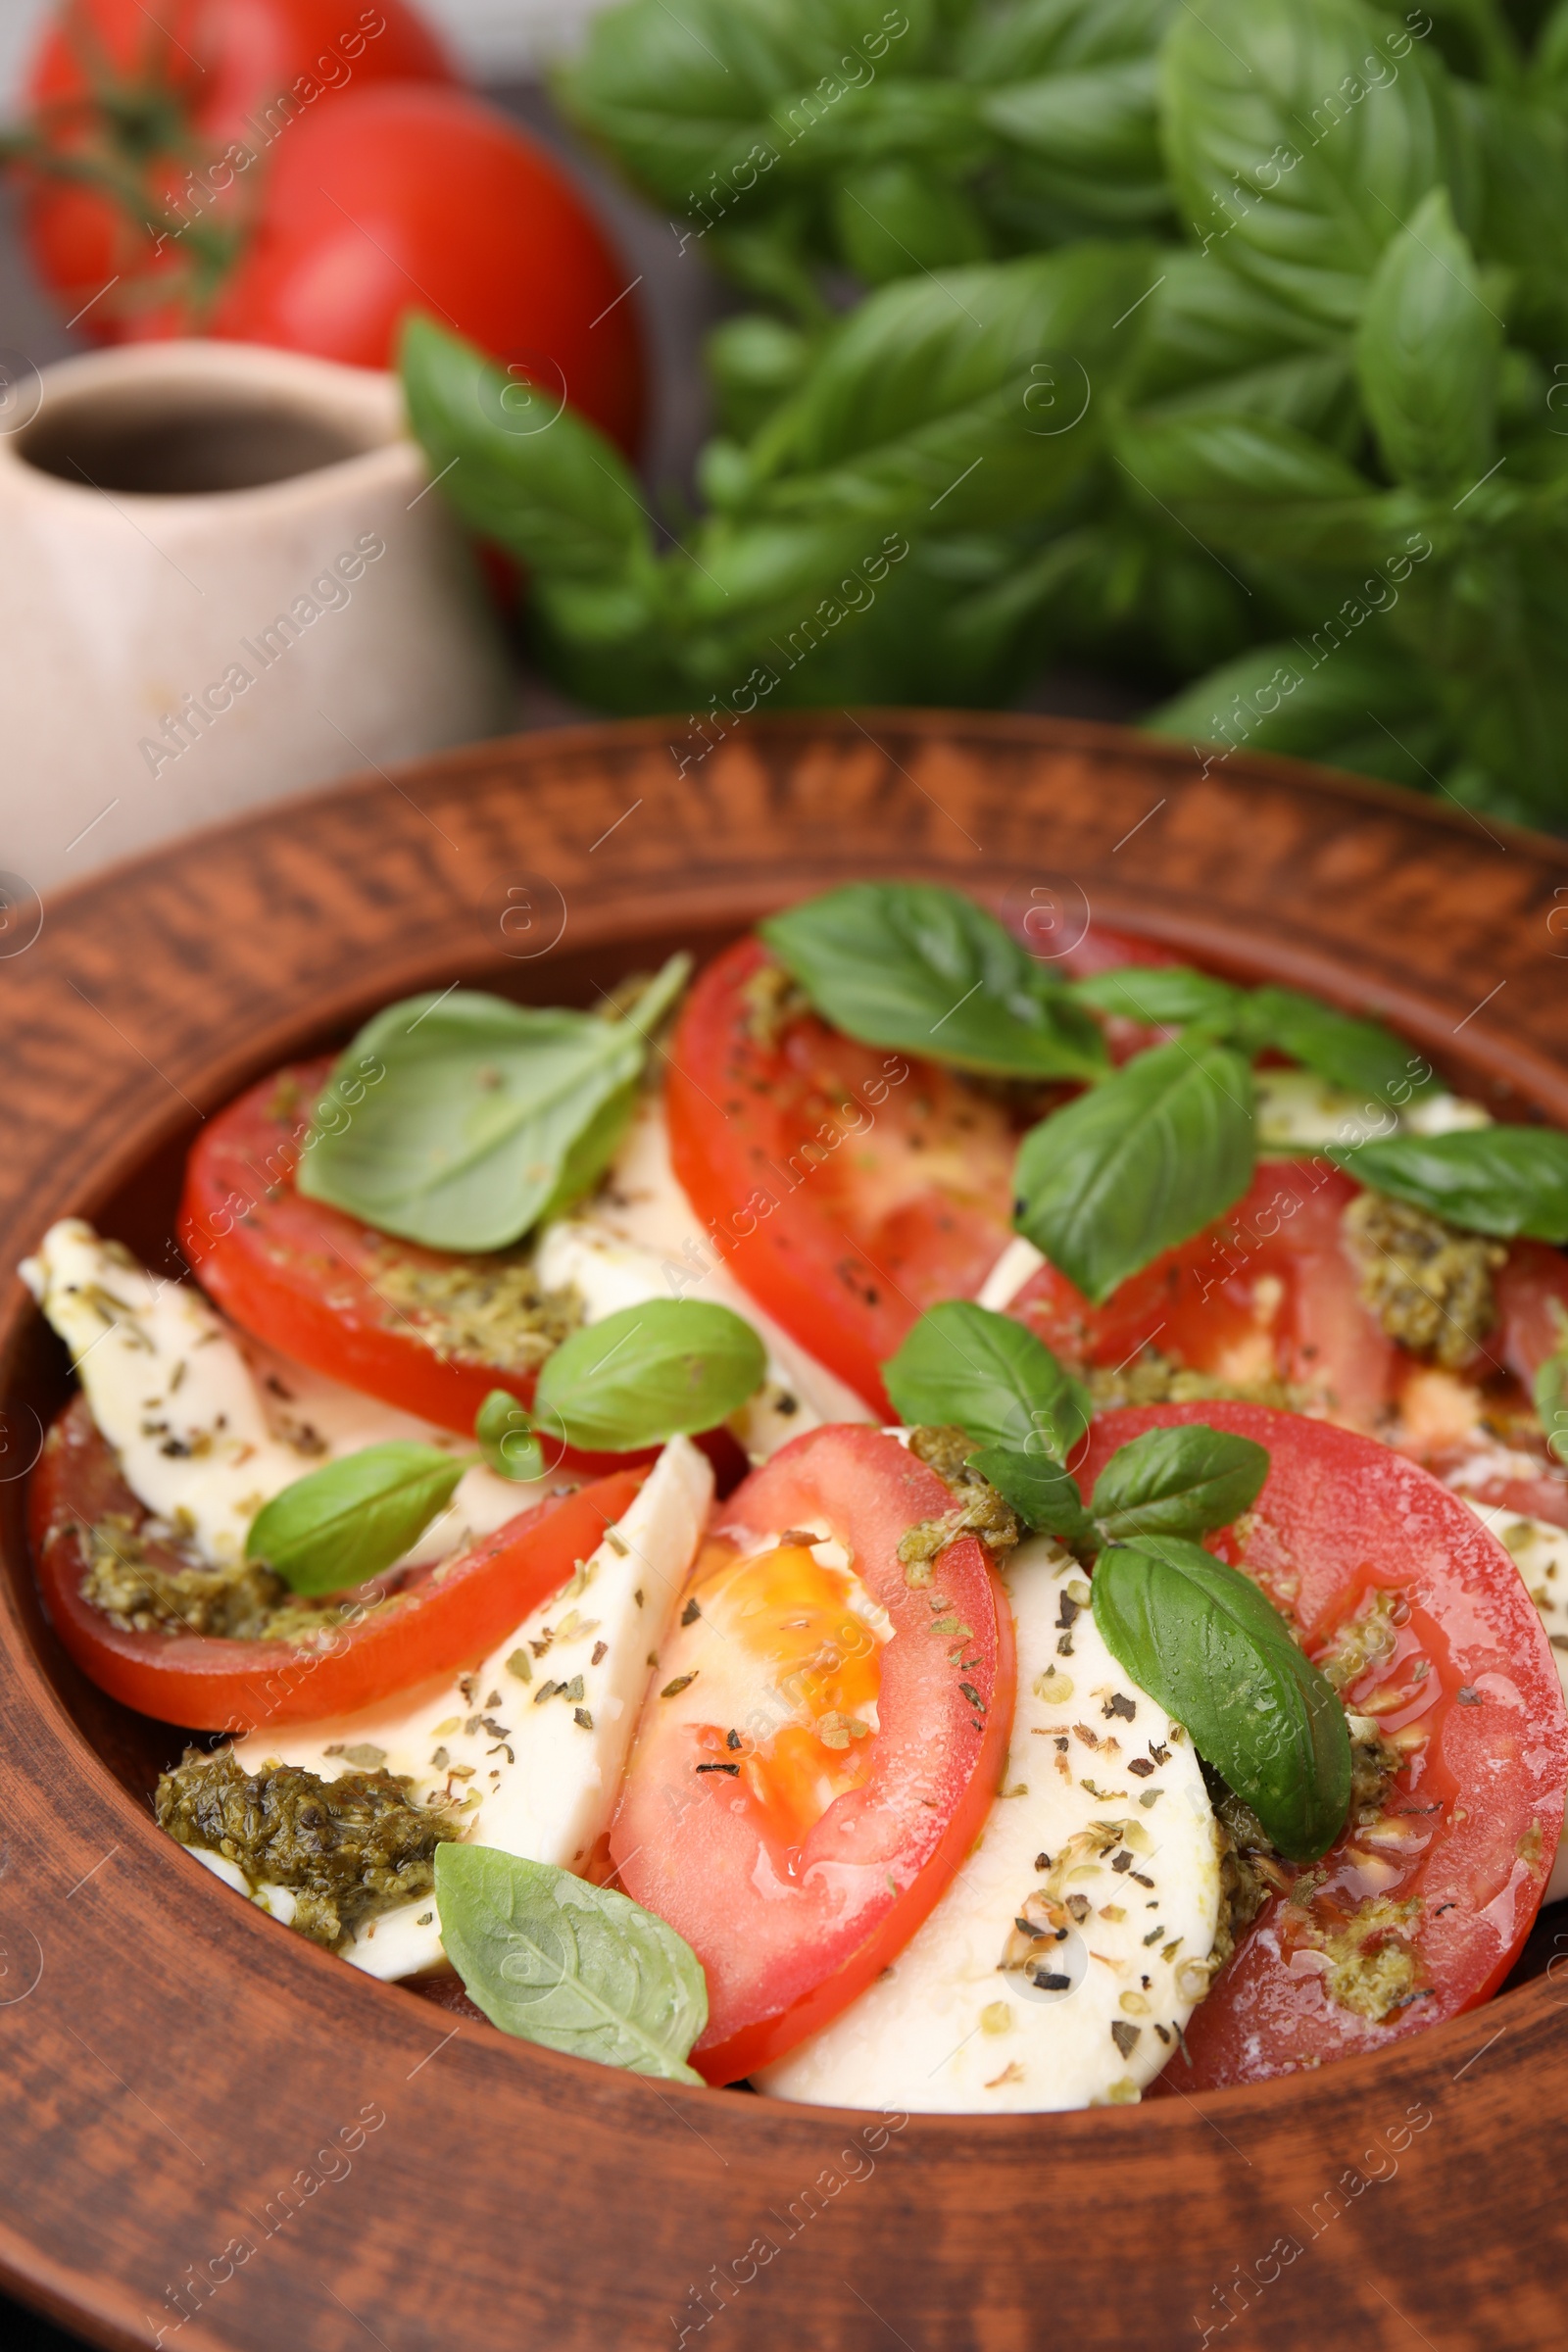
<point x="1505" y="1181"/>
<point x="505" y="1435"/>
<point x="967" y="1366"/>
<point x="1165" y="996"/>
<point x="575" y="1967"/>
<point x="1143" y="1161"/>
<point x="352" y="1519"/>
<point x="926" y="970"/>
<point x="1551" y="1404"/>
<point x="1361" y="1055"/>
<point x="464" y="1141"/>
<point x="659" y="1369"/>
<point x="1177" y="1481"/>
<point x="1043" y="1494"/>
<point x="1428" y="356"/>
<point x="1202" y="1639"/>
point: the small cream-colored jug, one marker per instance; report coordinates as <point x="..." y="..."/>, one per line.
<point x="224" y="576"/>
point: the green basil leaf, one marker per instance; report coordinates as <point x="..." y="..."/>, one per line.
<point x="1164" y="994"/>
<point x="465" y="1139"/>
<point x="1177" y="1481"/>
<point x="352" y="1519"/>
<point x="1301" y="135"/>
<point x="1428" y="356"/>
<point x="926" y="969"/>
<point x="1145" y="1159"/>
<point x="1260" y="489"/>
<point x="1361" y="1055"/>
<point x="1499" y="1180"/>
<point x="557" y="494"/>
<point x="979" y="1371"/>
<point x="505" y="1435"/>
<point x="1313" y="700"/>
<point x="657" y="1370"/>
<point x="1200" y="1639"/>
<point x="1551" y="1394"/>
<point x="575" y="1967"/>
<point x="1043" y="1494"/>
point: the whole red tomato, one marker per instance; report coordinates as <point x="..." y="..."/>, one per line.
<point x="301" y="173"/>
<point x="148" y="129"/>
<point x="412" y="196"/>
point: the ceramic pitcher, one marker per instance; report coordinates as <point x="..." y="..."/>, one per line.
<point x="224" y="576"/>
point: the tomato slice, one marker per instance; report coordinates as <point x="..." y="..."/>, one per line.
<point x="850" y="1188"/>
<point x="439" y="1619"/>
<point x="1267" y="1292"/>
<point x="315" y="1283"/>
<point x="1461" y="1678"/>
<point x="808" y="1775"/>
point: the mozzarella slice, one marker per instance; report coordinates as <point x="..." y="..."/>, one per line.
<point x="1126" y="1905"/>
<point x="532" y="1743"/>
<point x="640" y="1238"/>
<point x="1540" y="1552"/>
<point x="208" y="1424"/>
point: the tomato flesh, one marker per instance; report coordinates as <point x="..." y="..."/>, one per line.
<point x="436" y="1621"/>
<point x="808" y="1774"/>
<point x="1267" y="1292"/>
<point x="850" y="1188"/>
<point x="1462" y="1678"/>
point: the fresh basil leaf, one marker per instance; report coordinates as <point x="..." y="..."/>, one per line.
<point x="1313" y="700"/>
<point x="1200" y="1639"/>
<point x="505" y="1435"/>
<point x="353" y="1518"/>
<point x="1260" y="489"/>
<point x="1428" y="356"/>
<point x="1177" y="1481"/>
<point x="1043" y="1494"/>
<point x="465" y="1139"/>
<point x="980" y="1372"/>
<point x="575" y="1967"/>
<point x="894" y="215"/>
<point x="1145" y="1159"/>
<point x="1505" y="1181"/>
<point x="1164" y="994"/>
<point x="1551" y="1395"/>
<point x="1360" y="1056"/>
<point x="659" y="1369"/>
<point x="926" y="969"/>
<point x="556" y="495"/>
<point x="1301" y="135"/>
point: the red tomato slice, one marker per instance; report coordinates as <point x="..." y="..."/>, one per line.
<point x="1266" y="1292"/>
<point x="796" y="1864"/>
<point x="850" y="1188"/>
<point x="1468" y="1687"/>
<point x="207" y="1683"/>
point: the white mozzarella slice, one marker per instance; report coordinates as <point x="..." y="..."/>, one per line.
<point x="532" y="1743"/>
<point x="1540" y="1552"/>
<point x="640" y="1238"/>
<point x="1126" y="1905"/>
<point x="208" y="1424"/>
<point x="1018" y="1264"/>
<point x="1296" y="1109"/>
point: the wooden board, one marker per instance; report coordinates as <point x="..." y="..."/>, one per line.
<point x="176" y="2071"/>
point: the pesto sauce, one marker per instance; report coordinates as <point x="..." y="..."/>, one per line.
<point x="145" y="1587"/>
<point x="492" y="1309"/>
<point x="980" y="1510"/>
<point x="1429" y="1284"/>
<point x="346" y="1848"/>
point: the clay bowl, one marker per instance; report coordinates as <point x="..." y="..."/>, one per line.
<point x="175" y="2070"/>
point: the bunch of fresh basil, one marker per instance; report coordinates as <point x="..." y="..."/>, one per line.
<point x="1196" y="1633"/>
<point x="1213" y="340"/>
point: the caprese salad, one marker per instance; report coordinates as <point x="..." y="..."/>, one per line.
<point x="892" y="1520"/>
